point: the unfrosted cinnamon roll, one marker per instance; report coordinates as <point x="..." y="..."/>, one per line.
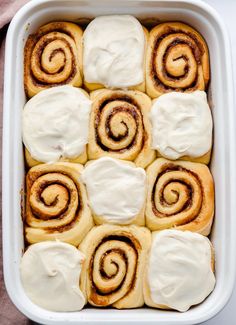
<point x="53" y="57"/>
<point x="56" y="204"/>
<point x="177" y="60"/>
<point x="119" y="126"/>
<point x="112" y="274"/>
<point x="180" y="195"/>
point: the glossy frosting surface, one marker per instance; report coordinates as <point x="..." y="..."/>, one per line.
<point x="181" y="124"/>
<point x="116" y="189"/>
<point x="180" y="270"/>
<point x="114" y="51"/>
<point x="56" y="123"/>
<point x="50" y="274"/>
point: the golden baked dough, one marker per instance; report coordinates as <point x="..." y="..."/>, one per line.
<point x="56" y="204"/>
<point x="112" y="274"/>
<point x="31" y="162"/>
<point x="177" y="60"/>
<point x="141" y="87"/>
<point x="146" y="288"/>
<point x="205" y="159"/>
<point x="119" y="126"/>
<point x="180" y="195"/>
<point x="53" y="57"/>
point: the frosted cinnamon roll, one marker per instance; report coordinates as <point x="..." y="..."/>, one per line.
<point x="180" y="270"/>
<point x="177" y="60"/>
<point x="119" y="126"/>
<point x="115" y="260"/>
<point x="114" y="53"/>
<point x="116" y="191"/>
<point x="182" y="126"/>
<point x="55" y="126"/>
<point x="50" y="275"/>
<point x="180" y="195"/>
<point x="53" y="57"/>
<point x="56" y="204"/>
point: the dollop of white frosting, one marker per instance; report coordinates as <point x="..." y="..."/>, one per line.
<point x="114" y="51"/>
<point x="181" y="124"/>
<point x="179" y="269"/>
<point x="116" y="190"/>
<point x="50" y="274"/>
<point x="56" y="123"/>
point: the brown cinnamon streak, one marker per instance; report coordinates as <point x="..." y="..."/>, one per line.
<point x="98" y="297"/>
<point x="197" y="51"/>
<point x="168" y="168"/>
<point x="132" y="111"/>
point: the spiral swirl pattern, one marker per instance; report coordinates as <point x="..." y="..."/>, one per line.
<point x="114" y="265"/>
<point x="119" y="126"/>
<point x="177" y="60"/>
<point x="180" y="195"/>
<point x="56" y="204"/>
<point x="113" y="259"/>
<point x="53" y="57"/>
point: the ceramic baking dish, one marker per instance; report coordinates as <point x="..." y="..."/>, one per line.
<point x="207" y="22"/>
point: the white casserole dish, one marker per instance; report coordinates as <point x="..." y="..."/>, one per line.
<point x="208" y="23"/>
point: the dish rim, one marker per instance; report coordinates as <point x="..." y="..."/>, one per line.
<point x="6" y="156"/>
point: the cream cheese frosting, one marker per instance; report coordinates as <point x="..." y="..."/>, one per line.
<point x="56" y="123"/>
<point x="50" y="274"/>
<point x="180" y="270"/>
<point x="114" y="51"/>
<point x="116" y="189"/>
<point x="181" y="124"/>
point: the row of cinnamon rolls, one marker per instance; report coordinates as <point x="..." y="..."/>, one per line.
<point x="64" y="123"/>
<point x="116" y="52"/>
<point x="64" y="200"/>
<point x="123" y="267"/>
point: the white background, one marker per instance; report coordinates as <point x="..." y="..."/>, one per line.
<point x="227" y="11"/>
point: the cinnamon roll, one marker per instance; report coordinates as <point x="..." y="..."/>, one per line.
<point x="182" y="126"/>
<point x="56" y="204"/>
<point x="116" y="191"/>
<point x="114" y="53"/>
<point x="180" y="195"/>
<point x="50" y="275"/>
<point x="112" y="274"/>
<point x="55" y="126"/>
<point x="53" y="57"/>
<point x="177" y="60"/>
<point x="180" y="270"/>
<point x="119" y="126"/>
